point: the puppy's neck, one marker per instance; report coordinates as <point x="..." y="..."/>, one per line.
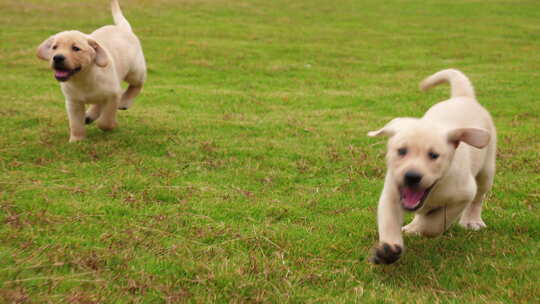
<point x="85" y="78"/>
<point x="86" y="85"/>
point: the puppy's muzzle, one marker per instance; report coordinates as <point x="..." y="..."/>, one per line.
<point x="61" y="71"/>
<point x="59" y="59"/>
<point x="412" y="178"/>
<point x="59" y="62"/>
<point x="412" y="193"/>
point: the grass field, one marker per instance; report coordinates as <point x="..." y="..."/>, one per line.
<point x="243" y="173"/>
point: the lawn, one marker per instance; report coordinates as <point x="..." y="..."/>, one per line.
<point x="243" y="172"/>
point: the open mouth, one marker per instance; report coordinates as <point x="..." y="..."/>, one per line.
<point x="65" y="74"/>
<point x="413" y="198"/>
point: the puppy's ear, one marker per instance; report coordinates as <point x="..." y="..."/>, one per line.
<point x="478" y="138"/>
<point x="44" y="51"/>
<point x="391" y="128"/>
<point x="102" y="60"/>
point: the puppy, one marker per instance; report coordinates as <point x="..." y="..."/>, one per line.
<point x="440" y="166"/>
<point x="91" y="68"/>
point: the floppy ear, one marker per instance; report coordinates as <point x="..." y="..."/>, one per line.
<point x="44" y="49"/>
<point x="391" y="128"/>
<point x="102" y="60"/>
<point x="478" y="138"/>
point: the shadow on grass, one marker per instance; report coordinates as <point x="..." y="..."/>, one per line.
<point x="428" y="258"/>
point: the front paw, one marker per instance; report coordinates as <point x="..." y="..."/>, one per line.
<point x="385" y="254"/>
<point x="107" y="126"/>
<point x="73" y="139"/>
<point x="411" y="229"/>
<point x="88" y="120"/>
<point x="476" y="224"/>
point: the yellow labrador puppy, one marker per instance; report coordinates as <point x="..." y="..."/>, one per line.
<point x="440" y="166"/>
<point x="91" y="68"/>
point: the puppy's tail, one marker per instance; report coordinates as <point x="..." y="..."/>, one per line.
<point x="118" y="17"/>
<point x="459" y="83"/>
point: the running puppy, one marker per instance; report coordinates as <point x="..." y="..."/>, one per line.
<point x="440" y="166"/>
<point x="91" y="68"/>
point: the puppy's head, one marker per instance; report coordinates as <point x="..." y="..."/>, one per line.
<point x="71" y="52"/>
<point x="420" y="154"/>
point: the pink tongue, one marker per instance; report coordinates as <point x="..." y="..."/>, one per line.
<point x="411" y="198"/>
<point x="59" y="73"/>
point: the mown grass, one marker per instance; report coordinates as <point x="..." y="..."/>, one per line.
<point x="243" y="173"/>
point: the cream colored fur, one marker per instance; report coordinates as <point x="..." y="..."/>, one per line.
<point x="460" y="177"/>
<point x="97" y="64"/>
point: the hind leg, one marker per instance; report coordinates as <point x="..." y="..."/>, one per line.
<point x="472" y="216"/>
<point x="136" y="79"/>
<point x="129" y="95"/>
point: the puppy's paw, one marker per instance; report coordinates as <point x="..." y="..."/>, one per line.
<point x="107" y="126"/>
<point x="411" y="229"/>
<point x="385" y="254"/>
<point x="73" y="139"/>
<point x="88" y="120"/>
<point x="125" y="104"/>
<point x="471" y="224"/>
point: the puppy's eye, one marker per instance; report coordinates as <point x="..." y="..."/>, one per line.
<point x="402" y="151"/>
<point x="76" y="49"/>
<point x="433" y="155"/>
<point x="54" y="47"/>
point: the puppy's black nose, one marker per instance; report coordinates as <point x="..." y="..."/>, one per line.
<point x="59" y="58"/>
<point x="412" y="178"/>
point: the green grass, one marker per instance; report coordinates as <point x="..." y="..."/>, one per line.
<point x="243" y="172"/>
